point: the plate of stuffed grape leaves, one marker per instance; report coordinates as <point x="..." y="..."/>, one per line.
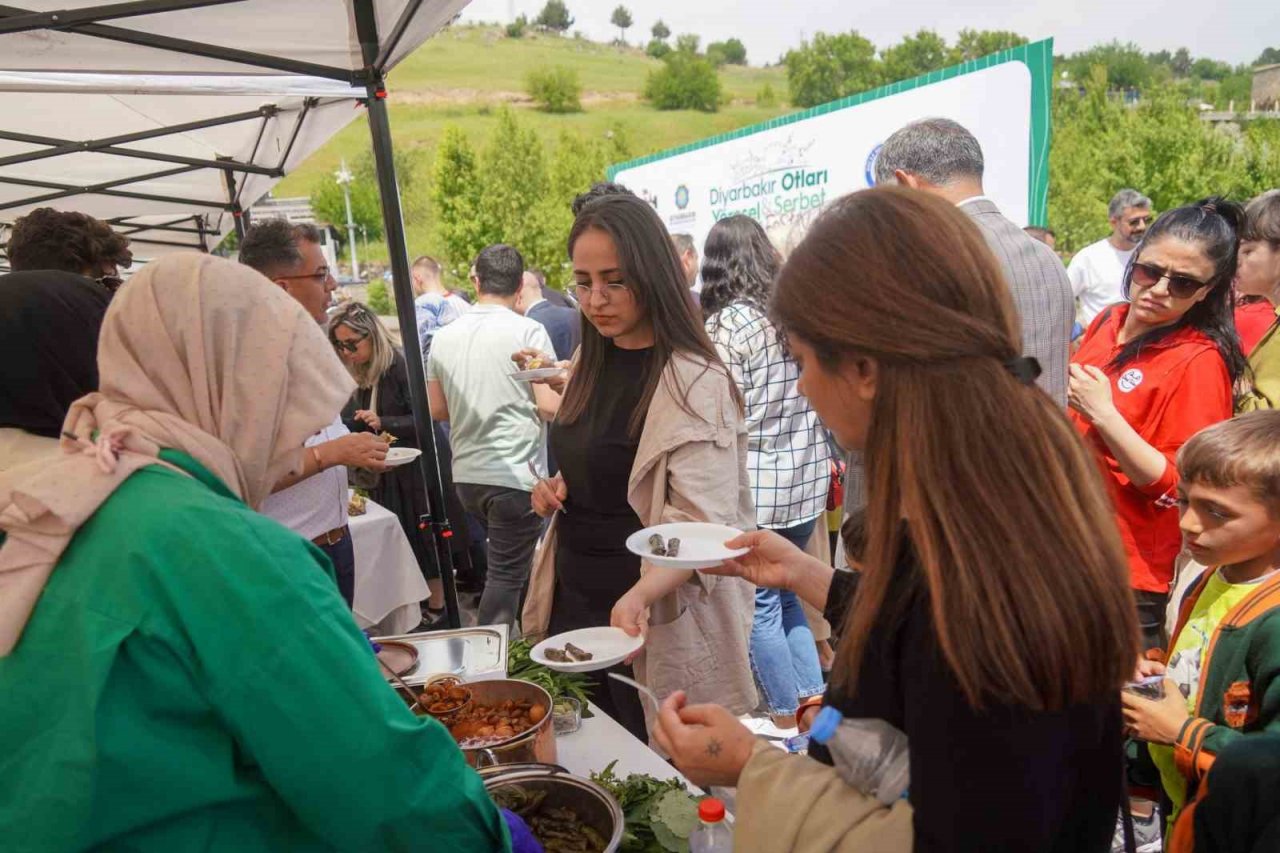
<point x="685" y="544"/>
<point x="586" y="649"/>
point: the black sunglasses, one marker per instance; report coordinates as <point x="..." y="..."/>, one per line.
<point x="110" y="282"/>
<point x="349" y="346"/>
<point x="1149" y="275"/>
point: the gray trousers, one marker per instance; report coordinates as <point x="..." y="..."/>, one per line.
<point x="513" y="529"/>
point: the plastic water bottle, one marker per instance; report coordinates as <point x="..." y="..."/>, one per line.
<point x="870" y="755"/>
<point x="712" y="836"/>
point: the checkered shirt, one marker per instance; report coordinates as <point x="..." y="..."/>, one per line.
<point x="787" y="453"/>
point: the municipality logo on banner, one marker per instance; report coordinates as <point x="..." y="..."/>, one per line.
<point x="682" y="197"/>
<point x="870" y="168"/>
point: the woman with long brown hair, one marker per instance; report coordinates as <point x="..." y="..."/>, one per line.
<point x="991" y="621"/>
<point x="650" y="430"/>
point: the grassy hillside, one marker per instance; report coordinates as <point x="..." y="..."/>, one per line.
<point x="463" y="74"/>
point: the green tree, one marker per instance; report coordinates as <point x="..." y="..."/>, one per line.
<point x="975" y="44"/>
<point x="657" y="48"/>
<point x="366" y="204"/>
<point x="516" y="28"/>
<point x="556" y="89"/>
<point x="661" y="31"/>
<point x="766" y="97"/>
<point x="1126" y="65"/>
<point x="687" y="43"/>
<point x="1181" y="62"/>
<point x="915" y="55"/>
<point x="457" y="197"/>
<point x="831" y="67"/>
<point x="715" y="54"/>
<point x="622" y="20"/>
<point x="513" y="187"/>
<point x="684" y="82"/>
<point x="1270" y="56"/>
<point x="1161" y="147"/>
<point x="731" y="52"/>
<point x="554" y="16"/>
<point x="380" y="299"/>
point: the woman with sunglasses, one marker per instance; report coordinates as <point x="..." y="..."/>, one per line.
<point x="1150" y="374"/>
<point x="380" y="404"/>
<point x="650" y="430"/>
<point x="1258" y="275"/>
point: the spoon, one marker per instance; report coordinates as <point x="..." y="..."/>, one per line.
<point x="413" y="694"/>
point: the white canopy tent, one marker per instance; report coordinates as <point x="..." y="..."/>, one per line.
<point x="168" y="118"/>
<point x="168" y="160"/>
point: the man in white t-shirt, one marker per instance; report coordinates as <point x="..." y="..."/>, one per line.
<point x="1097" y="271"/>
<point x="495" y="423"/>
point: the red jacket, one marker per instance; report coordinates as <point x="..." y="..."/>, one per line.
<point x="1171" y="391"/>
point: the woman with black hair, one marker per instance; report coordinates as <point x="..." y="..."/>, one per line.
<point x="650" y="430"/>
<point x="1152" y="373"/>
<point x="49" y="323"/>
<point x="787" y="454"/>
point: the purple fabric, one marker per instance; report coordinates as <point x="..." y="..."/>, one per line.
<point x="522" y="840"/>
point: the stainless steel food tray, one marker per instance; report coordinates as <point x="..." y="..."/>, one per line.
<point x="472" y="654"/>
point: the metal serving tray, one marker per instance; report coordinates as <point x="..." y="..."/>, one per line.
<point x="472" y="654"/>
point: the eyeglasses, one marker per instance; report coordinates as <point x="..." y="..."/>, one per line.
<point x="611" y="291"/>
<point x="321" y="274"/>
<point x="349" y="346"/>
<point x="110" y="282"/>
<point x="1149" y="275"/>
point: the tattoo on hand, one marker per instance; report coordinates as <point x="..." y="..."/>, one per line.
<point x="713" y="747"/>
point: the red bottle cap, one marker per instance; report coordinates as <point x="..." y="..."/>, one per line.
<point x="711" y="810"/>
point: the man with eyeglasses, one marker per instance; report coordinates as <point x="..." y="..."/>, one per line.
<point x="1097" y="270"/>
<point x="495" y="423"/>
<point x="314" y="503"/>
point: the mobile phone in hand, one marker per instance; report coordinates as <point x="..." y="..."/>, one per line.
<point x="1151" y="687"/>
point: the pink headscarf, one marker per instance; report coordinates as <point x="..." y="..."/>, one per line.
<point x="196" y="354"/>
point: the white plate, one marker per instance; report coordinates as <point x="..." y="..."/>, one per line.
<point x="608" y="646"/>
<point x="537" y="373"/>
<point x="701" y="544"/>
<point x="400" y="455"/>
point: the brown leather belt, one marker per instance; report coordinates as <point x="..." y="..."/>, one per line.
<point x="333" y="537"/>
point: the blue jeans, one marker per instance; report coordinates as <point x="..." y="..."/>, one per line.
<point x="784" y="658"/>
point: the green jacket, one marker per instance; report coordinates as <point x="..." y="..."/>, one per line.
<point x="1239" y="678"/>
<point x="190" y="680"/>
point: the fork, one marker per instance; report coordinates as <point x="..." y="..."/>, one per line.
<point x="538" y="478"/>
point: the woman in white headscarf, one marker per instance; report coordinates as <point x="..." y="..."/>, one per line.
<point x="179" y="672"/>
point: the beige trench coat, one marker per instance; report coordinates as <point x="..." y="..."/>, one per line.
<point x="688" y="467"/>
<point x="793" y="803"/>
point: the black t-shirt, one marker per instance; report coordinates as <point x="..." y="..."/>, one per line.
<point x="596" y="453"/>
<point x="1000" y="779"/>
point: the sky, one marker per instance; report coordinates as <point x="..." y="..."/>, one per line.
<point x="1232" y="30"/>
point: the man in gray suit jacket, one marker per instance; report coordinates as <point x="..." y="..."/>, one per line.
<point x="939" y="156"/>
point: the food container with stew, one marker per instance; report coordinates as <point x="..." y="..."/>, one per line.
<point x="506" y="722"/>
<point x="563" y="811"/>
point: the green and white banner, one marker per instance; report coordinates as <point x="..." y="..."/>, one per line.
<point x="782" y="172"/>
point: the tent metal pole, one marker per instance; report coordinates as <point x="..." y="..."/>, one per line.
<point x="197" y="48"/>
<point x="237" y="213"/>
<point x="66" y="18"/>
<point x="436" y="522"/>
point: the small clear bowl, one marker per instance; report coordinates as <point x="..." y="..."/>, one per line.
<point x="567" y="715"/>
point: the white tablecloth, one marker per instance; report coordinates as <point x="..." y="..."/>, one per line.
<point x="602" y="739"/>
<point x="389" y="585"/>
